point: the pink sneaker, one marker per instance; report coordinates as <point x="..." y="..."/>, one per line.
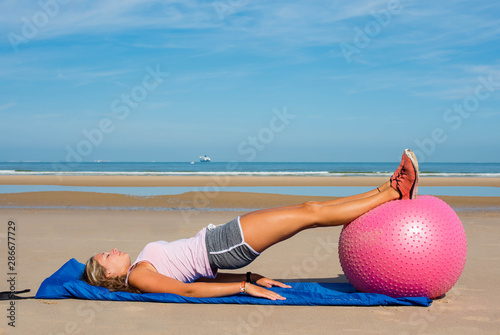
<point x="405" y="178"/>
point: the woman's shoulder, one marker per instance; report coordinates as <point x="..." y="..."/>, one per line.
<point x="143" y="265"/>
<point x="146" y="279"/>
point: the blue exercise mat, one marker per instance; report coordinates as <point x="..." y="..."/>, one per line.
<point x="66" y="283"/>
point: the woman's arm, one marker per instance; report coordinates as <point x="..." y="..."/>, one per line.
<point x="229" y="278"/>
<point x="238" y="277"/>
<point x="152" y="282"/>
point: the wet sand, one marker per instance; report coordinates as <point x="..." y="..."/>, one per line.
<point x="228" y="180"/>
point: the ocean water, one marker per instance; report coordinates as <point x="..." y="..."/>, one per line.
<point x="245" y="168"/>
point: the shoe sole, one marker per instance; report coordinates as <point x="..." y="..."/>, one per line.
<point x="413" y="158"/>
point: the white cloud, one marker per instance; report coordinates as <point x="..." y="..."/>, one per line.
<point x="425" y="42"/>
<point x="225" y="73"/>
<point x="47" y="116"/>
<point x="8" y="105"/>
<point x="265" y="26"/>
<point x="96" y="17"/>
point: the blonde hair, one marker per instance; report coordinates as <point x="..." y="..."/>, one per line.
<point x="95" y="274"/>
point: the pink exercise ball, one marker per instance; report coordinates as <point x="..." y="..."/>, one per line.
<point x="405" y="248"/>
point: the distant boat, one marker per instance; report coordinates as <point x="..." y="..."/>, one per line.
<point x="204" y="159"/>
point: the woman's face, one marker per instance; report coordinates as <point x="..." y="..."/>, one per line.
<point x="115" y="262"/>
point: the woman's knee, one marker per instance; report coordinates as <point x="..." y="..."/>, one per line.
<point x="311" y="208"/>
<point x="315" y="213"/>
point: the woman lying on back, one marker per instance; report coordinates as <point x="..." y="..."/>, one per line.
<point x="189" y="267"/>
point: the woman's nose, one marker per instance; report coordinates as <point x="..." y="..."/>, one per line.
<point x="114" y="251"/>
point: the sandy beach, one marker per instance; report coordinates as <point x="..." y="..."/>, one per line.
<point x="48" y="237"/>
<point x="228" y="180"/>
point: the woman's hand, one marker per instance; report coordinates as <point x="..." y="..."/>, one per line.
<point x="260" y="292"/>
<point x="266" y="282"/>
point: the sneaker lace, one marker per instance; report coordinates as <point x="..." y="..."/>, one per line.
<point x="399" y="176"/>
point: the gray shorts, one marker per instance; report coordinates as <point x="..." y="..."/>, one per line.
<point x="226" y="247"/>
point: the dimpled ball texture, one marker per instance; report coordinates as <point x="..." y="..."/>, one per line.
<point x="405" y="248"/>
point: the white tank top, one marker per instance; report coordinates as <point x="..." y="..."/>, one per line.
<point x="185" y="260"/>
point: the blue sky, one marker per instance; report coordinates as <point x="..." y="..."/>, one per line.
<point x="249" y="80"/>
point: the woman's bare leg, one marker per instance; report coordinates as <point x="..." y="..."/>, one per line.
<point x="339" y="200"/>
<point x="264" y="228"/>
